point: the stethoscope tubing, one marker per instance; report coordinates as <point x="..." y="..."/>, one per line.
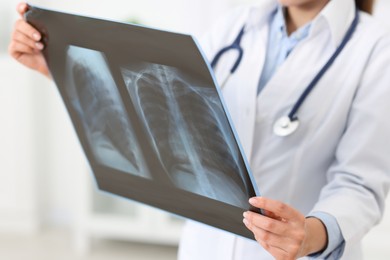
<point x="291" y="121"/>
<point x="321" y="73"/>
<point x="236" y="45"/>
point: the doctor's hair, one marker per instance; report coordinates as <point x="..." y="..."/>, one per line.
<point x="365" y="5"/>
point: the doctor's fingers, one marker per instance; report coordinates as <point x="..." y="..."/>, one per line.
<point x="24" y="28"/>
<point x="278" y="246"/>
<point x="22" y="8"/>
<point x="280" y="209"/>
<point x="17" y="49"/>
<point x="23" y="39"/>
<point x="272" y="225"/>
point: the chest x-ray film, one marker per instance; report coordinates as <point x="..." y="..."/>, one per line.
<point x="149" y="117"/>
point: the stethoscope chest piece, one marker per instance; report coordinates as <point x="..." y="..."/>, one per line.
<point x="285" y="126"/>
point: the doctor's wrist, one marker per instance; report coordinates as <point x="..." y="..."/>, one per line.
<point x="316" y="238"/>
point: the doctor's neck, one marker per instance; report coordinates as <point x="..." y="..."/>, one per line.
<point x="302" y="12"/>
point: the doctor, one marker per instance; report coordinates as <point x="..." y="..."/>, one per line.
<point x="328" y="176"/>
<point x="310" y="100"/>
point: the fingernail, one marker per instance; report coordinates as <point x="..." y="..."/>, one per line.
<point x="245" y="214"/>
<point x="39" y="45"/>
<point x="246" y="222"/>
<point x="36" y="36"/>
<point x="252" y="200"/>
<point x="21" y="7"/>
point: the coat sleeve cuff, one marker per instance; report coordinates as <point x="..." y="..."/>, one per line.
<point x="336" y="243"/>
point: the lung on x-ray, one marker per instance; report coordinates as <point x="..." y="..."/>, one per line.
<point x="187" y="127"/>
<point x="94" y="95"/>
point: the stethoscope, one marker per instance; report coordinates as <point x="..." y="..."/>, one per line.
<point x="286" y="125"/>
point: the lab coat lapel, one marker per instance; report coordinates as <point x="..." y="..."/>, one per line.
<point x="290" y="80"/>
<point x="241" y="90"/>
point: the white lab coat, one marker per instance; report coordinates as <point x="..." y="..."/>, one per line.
<point x="338" y="161"/>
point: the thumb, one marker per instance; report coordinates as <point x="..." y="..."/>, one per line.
<point x="22" y="8"/>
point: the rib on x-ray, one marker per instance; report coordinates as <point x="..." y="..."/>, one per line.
<point x="189" y="131"/>
<point x="95" y="97"/>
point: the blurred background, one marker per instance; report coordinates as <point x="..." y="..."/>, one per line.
<point x="49" y="208"/>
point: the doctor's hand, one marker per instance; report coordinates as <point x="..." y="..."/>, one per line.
<point x="26" y="46"/>
<point x="285" y="233"/>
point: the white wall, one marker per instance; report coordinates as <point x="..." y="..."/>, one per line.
<point x="18" y="202"/>
<point x="17" y="159"/>
<point x="178" y="15"/>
